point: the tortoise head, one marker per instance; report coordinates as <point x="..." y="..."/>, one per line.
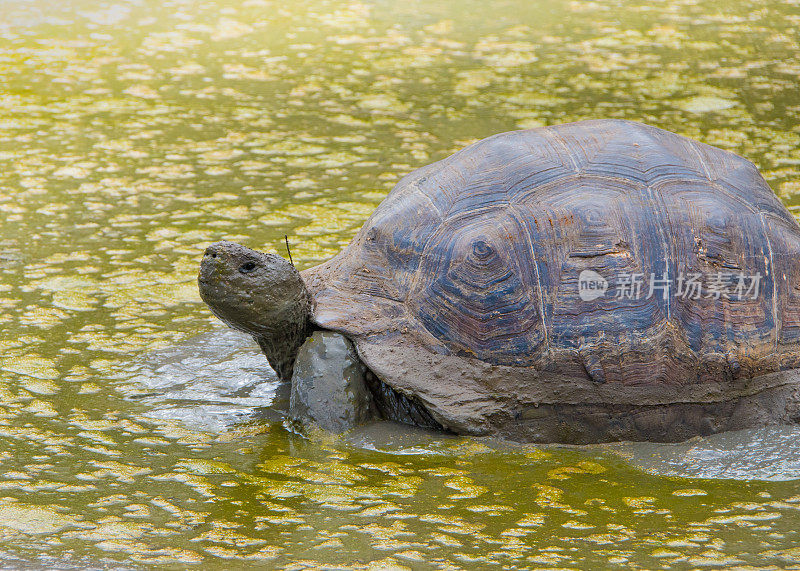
<point x="260" y="294"/>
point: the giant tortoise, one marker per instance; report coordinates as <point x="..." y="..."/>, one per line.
<point x="592" y="281"/>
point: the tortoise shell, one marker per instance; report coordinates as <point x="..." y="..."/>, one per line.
<point x="464" y="287"/>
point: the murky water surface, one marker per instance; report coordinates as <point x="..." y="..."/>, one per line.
<point x="132" y="134"/>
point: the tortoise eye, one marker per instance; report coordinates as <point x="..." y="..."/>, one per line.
<point x="247" y="267"/>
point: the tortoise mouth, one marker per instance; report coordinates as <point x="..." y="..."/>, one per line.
<point x="209" y="280"/>
<point x="223" y="289"/>
<point x="234" y="309"/>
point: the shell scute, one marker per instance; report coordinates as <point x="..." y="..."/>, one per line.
<point x="477" y="290"/>
<point x="717" y="236"/>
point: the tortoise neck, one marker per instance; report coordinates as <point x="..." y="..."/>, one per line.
<point x="281" y="347"/>
<point x="281" y="336"/>
<point x="281" y="330"/>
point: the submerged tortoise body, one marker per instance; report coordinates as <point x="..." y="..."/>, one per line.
<point x="463" y="290"/>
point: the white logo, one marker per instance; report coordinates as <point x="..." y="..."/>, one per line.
<point x="591" y="285"/>
<point x="718" y="286"/>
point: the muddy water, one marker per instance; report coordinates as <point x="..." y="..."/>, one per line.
<point x="132" y="430"/>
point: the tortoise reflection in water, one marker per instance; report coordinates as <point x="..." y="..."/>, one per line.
<point x="594" y="281"/>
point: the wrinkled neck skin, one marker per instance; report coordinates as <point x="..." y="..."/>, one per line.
<point x="260" y="294"/>
<point x="280" y="344"/>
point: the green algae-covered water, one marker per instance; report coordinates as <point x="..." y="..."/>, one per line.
<point x="135" y="433"/>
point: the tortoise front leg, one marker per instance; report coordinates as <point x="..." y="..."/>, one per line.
<point x="328" y="384"/>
